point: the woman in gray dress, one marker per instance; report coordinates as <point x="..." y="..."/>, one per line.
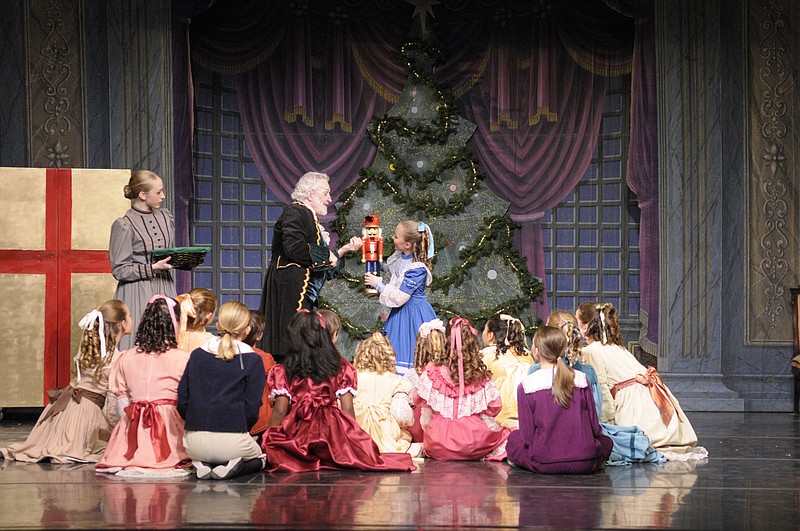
<point x="134" y="236"/>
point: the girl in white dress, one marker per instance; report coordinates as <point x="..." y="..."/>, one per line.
<point x="640" y="397"/>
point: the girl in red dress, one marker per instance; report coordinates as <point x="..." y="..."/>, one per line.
<point x="308" y="429"/>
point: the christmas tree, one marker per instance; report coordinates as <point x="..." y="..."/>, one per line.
<point x="424" y="171"/>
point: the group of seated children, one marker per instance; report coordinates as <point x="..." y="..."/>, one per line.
<point x="187" y="399"/>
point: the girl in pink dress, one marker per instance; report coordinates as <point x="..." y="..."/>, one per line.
<point x="308" y="429"/>
<point x="72" y="428"/>
<point x="459" y="401"/>
<point x="431" y="344"/>
<point x="148" y="438"/>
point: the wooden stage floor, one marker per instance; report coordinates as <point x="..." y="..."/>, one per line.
<point x="751" y="480"/>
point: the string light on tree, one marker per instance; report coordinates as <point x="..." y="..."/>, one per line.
<point x="424" y="170"/>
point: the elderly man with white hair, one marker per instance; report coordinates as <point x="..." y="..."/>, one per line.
<point x="301" y="259"/>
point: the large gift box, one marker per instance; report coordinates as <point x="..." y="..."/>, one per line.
<point x="54" y="268"/>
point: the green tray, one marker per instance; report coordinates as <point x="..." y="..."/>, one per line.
<point x="185" y="258"/>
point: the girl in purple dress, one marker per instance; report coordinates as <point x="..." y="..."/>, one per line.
<point x="558" y="428"/>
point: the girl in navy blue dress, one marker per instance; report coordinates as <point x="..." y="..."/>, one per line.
<point x="410" y="270"/>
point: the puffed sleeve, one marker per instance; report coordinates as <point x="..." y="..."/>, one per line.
<point x="116" y="378"/>
<point x="276" y="380"/>
<point x="496" y="404"/>
<point x="396" y="296"/>
<point x="347" y="381"/>
<point x="120" y="254"/>
<point x="401" y="385"/>
<point x="294" y="230"/>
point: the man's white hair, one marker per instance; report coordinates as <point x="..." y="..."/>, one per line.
<point x="308" y="183"/>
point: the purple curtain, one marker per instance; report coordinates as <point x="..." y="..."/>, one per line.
<point x="539" y="109"/>
<point x="530" y="162"/>
<point x="643" y="167"/>
<point x="533" y="85"/>
<point x="300" y="117"/>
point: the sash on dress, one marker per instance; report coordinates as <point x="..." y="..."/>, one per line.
<point x="308" y="404"/>
<point x="146" y="411"/>
<point x="658" y="391"/>
<point x="61" y="397"/>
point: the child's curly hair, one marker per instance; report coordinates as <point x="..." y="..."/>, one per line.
<point x="431" y="347"/>
<point x="90" y="356"/>
<point x="375" y="354"/>
<point x="409" y="230"/>
<point x="569" y="325"/>
<point x="509" y="335"/>
<point x="156" y="331"/>
<point x="474" y="369"/>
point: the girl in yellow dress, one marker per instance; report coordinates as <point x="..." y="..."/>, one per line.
<point x="508" y="357"/>
<point x="381" y="405"/>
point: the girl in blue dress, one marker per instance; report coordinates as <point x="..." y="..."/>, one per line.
<point x="410" y="270"/>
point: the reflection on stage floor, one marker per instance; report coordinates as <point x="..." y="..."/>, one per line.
<point x="751" y="479"/>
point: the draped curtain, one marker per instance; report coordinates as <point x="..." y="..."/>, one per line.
<point x="535" y="166"/>
<point x="643" y="168"/>
<point x="534" y="85"/>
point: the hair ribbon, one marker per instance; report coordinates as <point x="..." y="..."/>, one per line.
<point x="456" y="323"/>
<point x="187" y="310"/>
<point x="321" y="319"/>
<point x="427" y="327"/>
<point x="424" y="227"/>
<point x="603" y="336"/>
<point x="171" y="307"/>
<point x="509" y="319"/>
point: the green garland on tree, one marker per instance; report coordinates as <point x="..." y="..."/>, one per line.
<point x="398" y="174"/>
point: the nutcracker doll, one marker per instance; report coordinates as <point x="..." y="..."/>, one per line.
<point x="372" y="249"/>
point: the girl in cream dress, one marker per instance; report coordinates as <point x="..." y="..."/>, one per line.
<point x="640" y="397"/>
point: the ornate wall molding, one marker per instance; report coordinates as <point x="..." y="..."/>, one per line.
<point x="54" y="92"/>
<point x="771" y="170"/>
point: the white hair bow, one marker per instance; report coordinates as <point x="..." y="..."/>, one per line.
<point x="509" y="319"/>
<point x="426" y="327"/>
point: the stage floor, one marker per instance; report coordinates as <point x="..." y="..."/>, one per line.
<point x="751" y="480"/>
